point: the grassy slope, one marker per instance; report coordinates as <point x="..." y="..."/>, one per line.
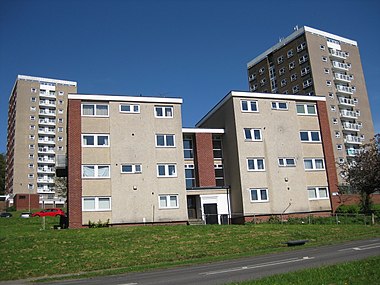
<point x="27" y="251"/>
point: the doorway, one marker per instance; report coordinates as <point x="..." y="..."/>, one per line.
<point x="211" y="213"/>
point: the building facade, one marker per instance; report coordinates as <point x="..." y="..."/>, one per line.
<point x="312" y="62"/>
<point x="36" y="135"/>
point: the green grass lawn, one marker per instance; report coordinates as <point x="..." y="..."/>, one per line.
<point x="356" y="272"/>
<point x="28" y="251"/>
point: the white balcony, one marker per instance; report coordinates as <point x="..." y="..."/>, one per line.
<point x="45" y="180"/>
<point x="340" y="65"/>
<point x="349" y="114"/>
<point x="49" y="122"/>
<point x="352" y="140"/>
<point x="46" y="140"/>
<point x="344" y="89"/>
<point x="46" y="150"/>
<point x="46" y="131"/>
<point x="342" y="77"/>
<point x="352" y="151"/>
<point x="47" y="103"/>
<point x="47" y="112"/>
<point x="45" y="170"/>
<point x="338" y="54"/>
<point x="47" y="94"/>
<point x="347" y="101"/>
<point x="351" y="126"/>
<point x="45" y="160"/>
<point x="45" y="190"/>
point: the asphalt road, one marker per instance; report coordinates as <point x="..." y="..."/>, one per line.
<point x="243" y="269"/>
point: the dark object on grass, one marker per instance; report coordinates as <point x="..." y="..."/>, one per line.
<point x="296" y="242"/>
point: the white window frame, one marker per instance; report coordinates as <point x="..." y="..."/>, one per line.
<point x="96" y="204"/>
<point x="96" y="136"/>
<point x="163" y="111"/>
<point x="310" y="137"/>
<point x="307" y="83"/>
<point x="306" y="110"/>
<point x="95" y="110"/>
<point x="276" y="105"/>
<point x="166" y="169"/>
<point x="292" y="65"/>
<point x="280" y="59"/>
<point x="96" y="171"/>
<point x="301" y="47"/>
<point x="293" y="77"/>
<point x="255" y="164"/>
<point x="281" y="71"/>
<point x="249" y="106"/>
<point x="133" y="108"/>
<point x="328" y="82"/>
<point x="283" y="82"/>
<point x="339" y="146"/>
<point x="303" y="58"/>
<point x="136" y="168"/>
<point x="165" y="137"/>
<point x="314" y="164"/>
<point x="283" y="162"/>
<point x="289" y="53"/>
<point x="305" y="70"/>
<point x="259" y="196"/>
<point x="317" y="190"/>
<point x="295" y="89"/>
<point x="261" y="70"/>
<point x="168" y="200"/>
<point x="252" y="133"/>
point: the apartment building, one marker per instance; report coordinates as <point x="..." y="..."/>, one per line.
<point x="312" y="62"/>
<point x="277" y="154"/>
<point x="36" y="135"/>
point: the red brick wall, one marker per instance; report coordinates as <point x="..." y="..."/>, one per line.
<point x="74" y="159"/>
<point x="328" y="150"/>
<point x="205" y="159"/>
<point x="21" y="201"/>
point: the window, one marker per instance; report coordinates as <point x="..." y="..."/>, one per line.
<point x="32" y="127"/>
<point x="60" y="148"/>
<point x="128" y="108"/>
<point x="259" y="195"/>
<point x="32" y="118"/>
<point x="30" y="186"/>
<point x="280" y="59"/>
<point x="306" y="109"/>
<point x="252" y="77"/>
<point x="42" y="91"/>
<point x="249" y="106"/>
<point x="96" y="203"/>
<point x="322" y="47"/>
<point x="307" y="83"/>
<point x="131" y="168"/>
<point x="32" y="137"/>
<point x="166" y="170"/>
<point x="217" y="147"/>
<point x="33" y="99"/>
<point x="95" y="110"/>
<point x="337" y="134"/>
<point x="60" y="111"/>
<point x="168" y="201"/>
<point x="261" y="70"/>
<point x="60" y="130"/>
<point x="341" y="160"/>
<point x="219" y="174"/>
<point x="311" y="93"/>
<point x="303" y="59"/>
<point x="98" y="140"/>
<point x="60" y="120"/>
<point x="339" y="147"/>
<point x="33" y="90"/>
<point x="61" y="93"/>
<point x="30" y="175"/>
<point x="253" y="87"/>
<point x="314" y="164"/>
<point x="33" y="108"/>
<point x="328" y="83"/>
<point x="165" y="140"/>
<point x="31" y="146"/>
<point x="292" y="65"/>
<point x="95" y="171"/>
<point x="31" y="156"/>
<point x="287" y="161"/>
<point x="289" y="53"/>
<point x="279" y="105"/>
<point x="310" y="136"/>
<point x="324" y="59"/>
<point x="163" y="111"/>
<point x="333" y="108"/>
<point x="189" y="176"/>
<point x="262" y="82"/>
<point x="301" y="47"/>
<point x="305" y="70"/>
<point x="317" y="193"/>
<point x="335" y="121"/>
<point x="30" y="165"/>
<point x="255" y="164"/>
<point x="60" y="102"/>
<point x="295" y="89"/>
<point x="281" y="71"/>
<point x="293" y="77"/>
<point x="283" y="82"/>
<point x="60" y="139"/>
<point x="252" y="134"/>
<point x="331" y="95"/>
<point x="327" y="71"/>
<point x="51" y="92"/>
<point x="188" y="151"/>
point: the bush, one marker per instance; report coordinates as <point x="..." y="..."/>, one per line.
<point x="348" y="209"/>
<point x="11" y="209"/>
<point x="99" y="224"/>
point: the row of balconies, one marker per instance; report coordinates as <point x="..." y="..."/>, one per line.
<point x="338" y="54"/>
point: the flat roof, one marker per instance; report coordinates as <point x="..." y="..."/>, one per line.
<point x="294" y="35"/>
<point x="253" y="95"/>
<point x="125" y="98"/>
<point x="49" y="80"/>
<point x="202" y="130"/>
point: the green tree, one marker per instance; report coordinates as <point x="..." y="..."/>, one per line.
<point x="61" y="187"/>
<point x="363" y="173"/>
<point x="2" y="173"/>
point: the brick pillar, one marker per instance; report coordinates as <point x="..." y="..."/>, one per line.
<point x="74" y="159"/>
<point x="328" y="150"/>
<point x="205" y="160"/>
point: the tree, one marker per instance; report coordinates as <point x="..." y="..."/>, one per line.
<point x="2" y="173"/>
<point x="363" y="173"/>
<point x="61" y="187"/>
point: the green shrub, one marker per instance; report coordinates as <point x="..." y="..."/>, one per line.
<point x="11" y="209"/>
<point x="348" y="209"/>
<point x="99" y="224"/>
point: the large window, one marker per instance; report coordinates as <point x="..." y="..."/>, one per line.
<point x="314" y="164"/>
<point x="96" y="140"/>
<point x="219" y="175"/>
<point x="310" y="136"/>
<point x="163" y="111"/>
<point x="306" y="109"/>
<point x="259" y="195"/>
<point x="249" y="106"/>
<point x="255" y="164"/>
<point x="217" y="146"/>
<point x="96" y="203"/>
<point x="189" y="175"/>
<point x="95" y="110"/>
<point x="168" y="201"/>
<point x="129" y="108"/>
<point x="287" y="161"/>
<point x="188" y="151"/>
<point x="166" y="170"/>
<point x="279" y="105"/>
<point x="165" y="140"/>
<point x="252" y="134"/>
<point x="318" y="193"/>
<point x="95" y="171"/>
<point x="131" y="168"/>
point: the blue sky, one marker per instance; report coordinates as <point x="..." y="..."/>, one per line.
<point x="197" y="49"/>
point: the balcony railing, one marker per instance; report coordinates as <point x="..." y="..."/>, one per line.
<point x="342" y="77"/>
<point x="47" y="122"/>
<point x="340" y="65"/>
<point x="353" y="140"/>
<point x="349" y="114"/>
<point x="46" y="141"/>
<point x="344" y="89"/>
<point x="352" y="151"/>
<point x="45" y="180"/>
<point x="45" y="170"/>
<point x="347" y="101"/>
<point x="47" y="103"/>
<point x="46" y="131"/>
<point x="47" y="94"/>
<point x="41" y="190"/>
<point x="351" y="126"/>
<point x="338" y="53"/>
<point x="46" y="150"/>
<point x="46" y="112"/>
<point x="46" y="160"/>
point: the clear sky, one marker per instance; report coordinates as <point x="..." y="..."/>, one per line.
<point x="197" y="49"/>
